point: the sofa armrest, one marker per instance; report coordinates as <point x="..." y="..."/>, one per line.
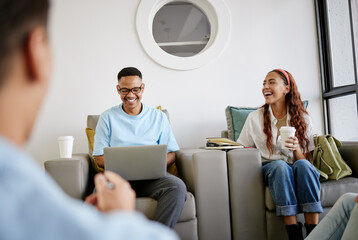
<point x="71" y="174"/>
<point x="205" y="174"/>
<point x="184" y="162"/>
<point x="349" y="152"/>
<point x="246" y="194"/>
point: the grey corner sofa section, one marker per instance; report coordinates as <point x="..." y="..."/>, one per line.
<point x="75" y="177"/>
<point x="73" y="174"/>
<point x="205" y="175"/>
<point x="246" y="194"/>
<point x="227" y="198"/>
<point x="231" y="206"/>
<point x="251" y="199"/>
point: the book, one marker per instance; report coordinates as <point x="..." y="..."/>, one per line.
<point x="223" y="147"/>
<point x="221" y="142"/>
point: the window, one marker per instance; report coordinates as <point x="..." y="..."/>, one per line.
<point x="337" y="23"/>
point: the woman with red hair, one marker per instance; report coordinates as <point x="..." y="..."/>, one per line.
<point x="292" y="179"/>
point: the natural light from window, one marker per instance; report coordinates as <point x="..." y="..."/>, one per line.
<point x="344" y="117"/>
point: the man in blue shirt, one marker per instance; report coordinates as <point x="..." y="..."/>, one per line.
<point x="32" y="204"/>
<point x="134" y="123"/>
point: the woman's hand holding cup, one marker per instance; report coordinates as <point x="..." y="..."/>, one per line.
<point x="288" y="138"/>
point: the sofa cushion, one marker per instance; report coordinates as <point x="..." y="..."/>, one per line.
<point x="333" y="189"/>
<point x="330" y="192"/>
<point x="148" y="206"/>
<point x="269" y="204"/>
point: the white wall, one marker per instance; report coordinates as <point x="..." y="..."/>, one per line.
<point x="92" y="40"/>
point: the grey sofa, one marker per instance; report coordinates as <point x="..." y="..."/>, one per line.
<point x="75" y="177"/>
<point x="236" y="204"/>
<point x="231" y="201"/>
<point x="249" y="196"/>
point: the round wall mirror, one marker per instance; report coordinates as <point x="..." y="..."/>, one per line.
<point x="183" y="34"/>
<point x="181" y="29"/>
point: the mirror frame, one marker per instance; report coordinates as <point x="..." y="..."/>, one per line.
<point x="218" y="16"/>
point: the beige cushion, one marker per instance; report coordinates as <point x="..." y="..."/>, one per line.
<point x="148" y="206"/>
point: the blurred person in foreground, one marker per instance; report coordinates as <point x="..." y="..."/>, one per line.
<point x="33" y="206"/>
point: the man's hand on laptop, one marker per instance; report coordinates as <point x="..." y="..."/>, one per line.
<point x="121" y="197"/>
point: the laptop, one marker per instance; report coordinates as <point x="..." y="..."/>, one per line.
<point x="137" y="162"/>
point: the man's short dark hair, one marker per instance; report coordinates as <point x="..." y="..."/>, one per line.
<point x="129" y="71"/>
<point x="17" y="19"/>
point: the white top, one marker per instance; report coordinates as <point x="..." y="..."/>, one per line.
<point x="252" y="135"/>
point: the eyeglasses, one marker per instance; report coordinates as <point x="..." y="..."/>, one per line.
<point x="125" y="91"/>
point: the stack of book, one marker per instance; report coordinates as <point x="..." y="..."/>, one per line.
<point x="221" y="143"/>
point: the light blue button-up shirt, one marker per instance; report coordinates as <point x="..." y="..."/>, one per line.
<point x="116" y="128"/>
<point x="34" y="207"/>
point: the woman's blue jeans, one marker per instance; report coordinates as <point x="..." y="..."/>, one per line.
<point x="294" y="187"/>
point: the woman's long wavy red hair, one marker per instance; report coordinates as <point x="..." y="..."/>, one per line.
<point x="296" y="111"/>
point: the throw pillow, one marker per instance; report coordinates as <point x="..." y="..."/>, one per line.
<point x="236" y="117"/>
<point x="90" y="137"/>
<point x="172" y="169"/>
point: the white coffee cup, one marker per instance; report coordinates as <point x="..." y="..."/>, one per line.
<point x="286" y="133"/>
<point x="65" y="144"/>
